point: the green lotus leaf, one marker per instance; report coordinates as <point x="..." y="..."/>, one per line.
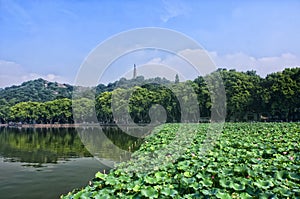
<point x="245" y="196"/>
<point x="183" y="166"/>
<point x="223" y="195"/>
<point x="136" y="188"/>
<point x="187" y="181"/>
<point x="150" y="180"/>
<point x="200" y="176"/>
<point x="100" y="175"/>
<point x="106" y="192"/>
<point x="297" y="192"/>
<point x="169" y="192"/>
<point x="237" y="186"/>
<point x="282" y="175"/>
<point x="187" y="174"/>
<point x="266" y="196"/>
<point x="111" y="180"/>
<point x="284" y="191"/>
<point x="225" y="183"/>
<point x="264" y="184"/>
<point x="196" y="186"/>
<point x="294" y="176"/>
<point x="160" y="176"/>
<point x="207" y="182"/>
<point x="206" y="192"/>
<point x="124" y="178"/>
<point x="240" y="169"/>
<point x="149" y="192"/>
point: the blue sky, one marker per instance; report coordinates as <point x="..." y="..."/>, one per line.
<point x="50" y="39"/>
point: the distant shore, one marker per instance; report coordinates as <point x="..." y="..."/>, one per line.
<point x="62" y="125"/>
<point x="50" y="125"/>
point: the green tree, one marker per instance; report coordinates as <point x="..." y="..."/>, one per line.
<point x="103" y="107"/>
<point x="25" y="112"/>
<point x="281" y="94"/>
<point x="242" y="92"/>
<point x="4" y="111"/>
<point x="203" y="95"/>
<point x="60" y="111"/>
<point x="83" y="109"/>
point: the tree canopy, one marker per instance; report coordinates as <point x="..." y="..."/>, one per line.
<point x="248" y="97"/>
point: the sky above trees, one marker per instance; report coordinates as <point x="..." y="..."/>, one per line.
<point x="50" y="39"/>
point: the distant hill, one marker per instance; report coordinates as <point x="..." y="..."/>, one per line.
<point x="128" y="83"/>
<point x="41" y="90"/>
<point x="38" y="90"/>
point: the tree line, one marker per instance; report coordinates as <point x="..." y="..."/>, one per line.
<point x="249" y="97"/>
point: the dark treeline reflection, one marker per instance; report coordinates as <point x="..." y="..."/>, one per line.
<point x="54" y="144"/>
<point x="111" y="142"/>
<point x="40" y="145"/>
<point x="122" y="139"/>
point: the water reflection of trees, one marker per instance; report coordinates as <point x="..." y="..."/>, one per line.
<point x="109" y="143"/>
<point x="122" y="139"/>
<point x="40" y="145"/>
<point x="54" y="144"/>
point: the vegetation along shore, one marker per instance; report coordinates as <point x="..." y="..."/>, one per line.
<point x="249" y="97"/>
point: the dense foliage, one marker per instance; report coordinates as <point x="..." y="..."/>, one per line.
<point x="41" y="90"/>
<point x="59" y="110"/>
<point x="258" y="160"/>
<point x="249" y="98"/>
<point x="38" y="90"/>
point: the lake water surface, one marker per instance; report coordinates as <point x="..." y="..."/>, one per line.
<point x="45" y="163"/>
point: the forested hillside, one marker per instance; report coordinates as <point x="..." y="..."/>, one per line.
<point x="30" y="94"/>
<point x="41" y="90"/>
<point x="38" y="90"/>
<point x="249" y="98"/>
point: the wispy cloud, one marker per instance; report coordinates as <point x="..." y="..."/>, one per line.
<point x="173" y="9"/>
<point x="239" y="61"/>
<point x="12" y="73"/>
<point x="69" y="13"/>
<point x="263" y="65"/>
<point x="18" y="15"/>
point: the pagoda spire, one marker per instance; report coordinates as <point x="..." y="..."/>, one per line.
<point x="134" y="71"/>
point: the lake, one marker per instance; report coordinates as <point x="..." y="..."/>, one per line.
<point x="48" y="162"/>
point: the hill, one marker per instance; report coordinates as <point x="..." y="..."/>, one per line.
<point x="41" y="90"/>
<point x="38" y="90"/>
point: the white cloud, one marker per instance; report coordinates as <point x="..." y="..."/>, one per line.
<point x="170" y="66"/>
<point x="262" y="65"/>
<point x="188" y="64"/>
<point x="12" y="73"/>
<point x="173" y="9"/>
<point x="200" y="59"/>
<point x="49" y="77"/>
<point x="210" y="61"/>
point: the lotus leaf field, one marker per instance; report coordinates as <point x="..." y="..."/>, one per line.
<point x="248" y="160"/>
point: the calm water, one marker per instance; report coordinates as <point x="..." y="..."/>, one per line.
<point x="45" y="163"/>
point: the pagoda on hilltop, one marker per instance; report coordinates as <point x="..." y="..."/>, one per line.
<point x="134" y="71"/>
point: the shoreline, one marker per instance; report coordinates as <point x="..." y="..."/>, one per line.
<point x="50" y="125"/>
<point x="83" y="125"/>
